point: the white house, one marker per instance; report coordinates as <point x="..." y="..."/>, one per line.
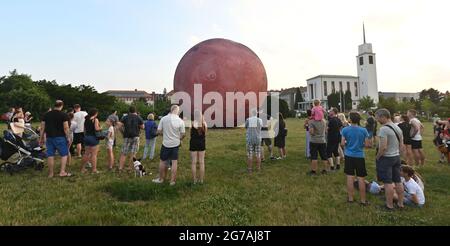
<point x="365" y="84"/>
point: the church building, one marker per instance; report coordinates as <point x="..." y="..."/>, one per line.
<point x="363" y="85"/>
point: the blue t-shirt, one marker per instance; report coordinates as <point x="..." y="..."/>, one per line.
<point x="355" y="137"/>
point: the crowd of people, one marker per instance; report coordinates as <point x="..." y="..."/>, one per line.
<point x="330" y="135"/>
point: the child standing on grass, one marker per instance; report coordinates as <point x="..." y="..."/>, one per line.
<point x="110" y="144"/>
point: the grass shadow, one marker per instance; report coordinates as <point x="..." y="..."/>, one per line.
<point x="138" y="190"/>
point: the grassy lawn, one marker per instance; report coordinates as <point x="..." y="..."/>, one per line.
<point x="282" y="194"/>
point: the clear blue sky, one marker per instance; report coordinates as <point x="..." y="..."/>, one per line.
<point x="127" y="44"/>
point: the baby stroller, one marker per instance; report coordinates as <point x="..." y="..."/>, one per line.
<point x="21" y="153"/>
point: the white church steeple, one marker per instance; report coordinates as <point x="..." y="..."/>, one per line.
<point x="367" y="70"/>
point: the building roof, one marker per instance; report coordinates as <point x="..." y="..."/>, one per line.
<point x="333" y="76"/>
<point x="129" y="93"/>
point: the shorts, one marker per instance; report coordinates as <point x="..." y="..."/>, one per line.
<point x="266" y="141"/>
<point x="130" y="146"/>
<point x="416" y="144"/>
<point x="57" y="144"/>
<point x="91" y="141"/>
<point x="109" y="143"/>
<point x="388" y="169"/>
<point x="169" y="154"/>
<point x="253" y="150"/>
<point x="355" y="165"/>
<point x="332" y="149"/>
<point x="317" y="149"/>
<point x="78" y="138"/>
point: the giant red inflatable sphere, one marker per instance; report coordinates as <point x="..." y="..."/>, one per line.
<point x="222" y="66"/>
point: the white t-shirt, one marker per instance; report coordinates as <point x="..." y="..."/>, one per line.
<point x="78" y="117"/>
<point x="172" y="128"/>
<point x="418" y="136"/>
<point x="412" y="188"/>
<point x="110" y="138"/>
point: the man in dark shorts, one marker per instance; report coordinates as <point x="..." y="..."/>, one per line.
<point x="355" y="138"/>
<point x="318" y="146"/>
<point x="55" y="128"/>
<point x="172" y="128"/>
<point x="334" y="139"/>
<point x="388" y="161"/>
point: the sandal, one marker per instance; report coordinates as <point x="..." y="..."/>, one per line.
<point x="68" y="175"/>
<point x="364" y="204"/>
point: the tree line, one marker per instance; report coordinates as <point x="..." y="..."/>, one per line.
<point x="19" y="90"/>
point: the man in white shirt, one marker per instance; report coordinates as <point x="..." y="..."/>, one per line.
<point x="78" y="133"/>
<point x="416" y="137"/>
<point x="172" y="128"/>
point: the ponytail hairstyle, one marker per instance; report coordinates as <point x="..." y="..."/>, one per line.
<point x="92" y="112"/>
<point x="200" y="120"/>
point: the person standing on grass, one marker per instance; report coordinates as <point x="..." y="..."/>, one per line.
<point x="388" y="161"/>
<point x="253" y="126"/>
<point x="78" y="138"/>
<point x="416" y="137"/>
<point x="371" y="126"/>
<point x="280" y="139"/>
<point x="151" y="132"/>
<point x="267" y="124"/>
<point x="72" y="127"/>
<point x="355" y="138"/>
<point x="55" y="128"/>
<point x="334" y="139"/>
<point x="405" y="126"/>
<point x="345" y="123"/>
<point x="172" y="128"/>
<point x="308" y="136"/>
<point x="197" y="146"/>
<point x="91" y="142"/>
<point x="131" y="124"/>
<point x="114" y="120"/>
<point x="110" y="144"/>
<point x="318" y="146"/>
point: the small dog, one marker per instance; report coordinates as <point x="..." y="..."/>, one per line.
<point x="139" y="170"/>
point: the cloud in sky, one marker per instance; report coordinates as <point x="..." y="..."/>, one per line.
<point x="137" y="44"/>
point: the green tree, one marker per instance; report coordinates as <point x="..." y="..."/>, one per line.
<point x="366" y="103"/>
<point x="298" y="98"/>
<point x="431" y="94"/>
<point x="428" y="106"/>
<point x="389" y="104"/>
<point x="404" y="106"/>
<point x="283" y="107"/>
<point x="348" y="102"/>
<point x="333" y="100"/>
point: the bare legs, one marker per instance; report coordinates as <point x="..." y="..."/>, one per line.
<point x="90" y="155"/>
<point x="391" y="190"/>
<point x="198" y="157"/>
<point x="51" y="166"/>
<point x="419" y="156"/>
<point x="110" y="154"/>
<point x="351" y="189"/>
<point x="163" y="170"/>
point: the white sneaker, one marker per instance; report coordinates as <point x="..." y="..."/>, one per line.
<point x="172" y="183"/>
<point x="157" y="181"/>
<point x="88" y="165"/>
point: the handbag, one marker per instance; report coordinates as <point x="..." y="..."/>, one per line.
<point x="101" y="135"/>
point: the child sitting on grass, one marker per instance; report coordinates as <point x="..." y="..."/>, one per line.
<point x="414" y="194"/>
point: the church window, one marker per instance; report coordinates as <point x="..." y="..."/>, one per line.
<point x="340" y="86"/>
<point x="311" y="91"/>
<point x="370" y="59"/>
<point x="325" y="89"/>
<point x="333" y="87"/>
<point x="361" y="61"/>
<point x="348" y="86"/>
<point x="356" y="89"/>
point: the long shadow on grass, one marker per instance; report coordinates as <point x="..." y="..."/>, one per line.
<point x="138" y="190"/>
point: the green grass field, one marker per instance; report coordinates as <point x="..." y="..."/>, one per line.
<point x="282" y="194"/>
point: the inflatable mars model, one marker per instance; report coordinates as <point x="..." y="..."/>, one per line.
<point x="221" y="66"/>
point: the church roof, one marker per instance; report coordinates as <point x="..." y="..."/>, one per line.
<point x="333" y="76"/>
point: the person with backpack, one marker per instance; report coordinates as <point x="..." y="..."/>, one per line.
<point x="131" y="125"/>
<point x="388" y="161"/>
<point x="151" y="132"/>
